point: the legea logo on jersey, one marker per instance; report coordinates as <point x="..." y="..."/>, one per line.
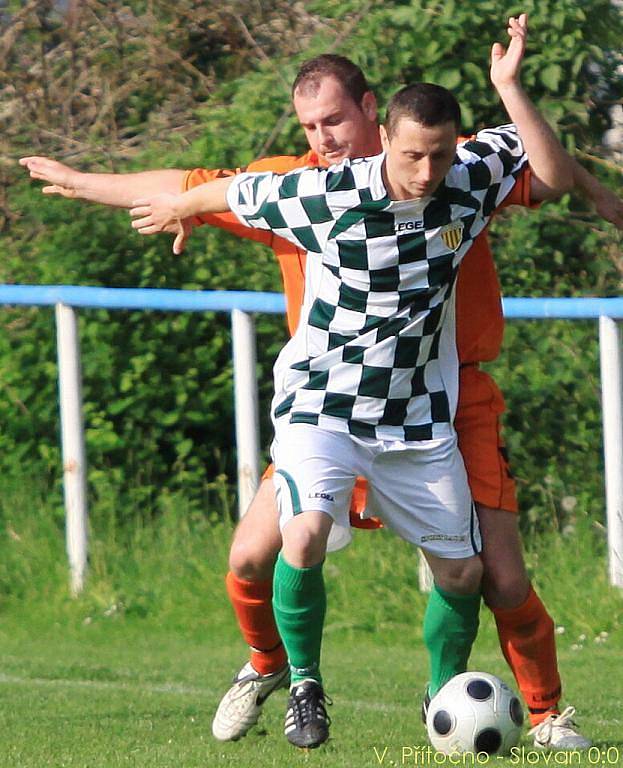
<point x="408" y="226"/>
<point x="405" y="223"/>
<point x="452" y="235"/>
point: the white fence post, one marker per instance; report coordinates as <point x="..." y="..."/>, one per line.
<point x="72" y="437"/>
<point x="246" y="401"/>
<point x="611" y="357"/>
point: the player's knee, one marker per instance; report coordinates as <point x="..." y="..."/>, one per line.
<point x="252" y="559"/>
<point x="461" y="577"/>
<point x="504" y="588"/>
<point x="303" y="546"/>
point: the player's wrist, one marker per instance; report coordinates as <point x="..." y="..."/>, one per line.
<point x="85" y="185"/>
<point x="507" y="88"/>
<point x="182" y="206"/>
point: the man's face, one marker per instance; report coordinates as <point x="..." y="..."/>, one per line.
<point x="336" y="128"/>
<point x="418" y="157"/>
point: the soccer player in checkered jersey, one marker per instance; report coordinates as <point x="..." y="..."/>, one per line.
<point x="339" y="116"/>
<point x="368" y="381"/>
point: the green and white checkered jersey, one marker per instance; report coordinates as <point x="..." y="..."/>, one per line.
<point x="372" y="355"/>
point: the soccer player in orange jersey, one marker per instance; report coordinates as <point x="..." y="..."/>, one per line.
<point x="338" y="113"/>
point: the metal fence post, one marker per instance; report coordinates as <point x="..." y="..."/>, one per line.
<point x="611" y="358"/>
<point x="72" y="441"/>
<point x="246" y="401"/>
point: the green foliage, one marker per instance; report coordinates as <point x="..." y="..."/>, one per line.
<point x="549" y="370"/>
<point x="570" y="62"/>
<point x="549" y="374"/>
<point x="157" y="386"/>
<point x="137" y="85"/>
<point x="556" y="251"/>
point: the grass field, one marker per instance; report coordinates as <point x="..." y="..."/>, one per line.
<point x="130" y="674"/>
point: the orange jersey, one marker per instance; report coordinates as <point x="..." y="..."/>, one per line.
<point x="480" y="323"/>
<point x="479" y="318"/>
<point x="291" y="259"/>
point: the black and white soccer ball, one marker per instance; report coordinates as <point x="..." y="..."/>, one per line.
<point x="474" y="712"/>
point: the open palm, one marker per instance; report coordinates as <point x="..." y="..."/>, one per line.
<point x="506" y="63"/>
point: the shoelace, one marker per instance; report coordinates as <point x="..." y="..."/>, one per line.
<point x="249" y="684"/>
<point x="543" y="731"/>
<point x="305" y="707"/>
<point x="245" y="686"/>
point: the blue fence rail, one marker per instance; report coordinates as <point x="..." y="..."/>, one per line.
<point x="165" y="299"/>
<point x="241" y="304"/>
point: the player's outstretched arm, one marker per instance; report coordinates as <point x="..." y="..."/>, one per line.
<point x="115" y="189"/>
<point x="167" y="212"/>
<point x="608" y="205"/>
<point x="548" y="160"/>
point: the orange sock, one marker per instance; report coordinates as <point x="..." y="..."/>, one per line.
<point x="252" y="604"/>
<point x="527" y="641"/>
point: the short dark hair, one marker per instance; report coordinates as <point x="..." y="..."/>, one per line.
<point x="423" y="103"/>
<point x="348" y="75"/>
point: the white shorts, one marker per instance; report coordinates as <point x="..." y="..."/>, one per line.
<point x="418" y="489"/>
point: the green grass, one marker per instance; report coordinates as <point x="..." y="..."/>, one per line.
<point x="130" y="673"/>
<point x="127" y="693"/>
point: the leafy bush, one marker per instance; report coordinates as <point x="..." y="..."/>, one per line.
<point x="157" y="386"/>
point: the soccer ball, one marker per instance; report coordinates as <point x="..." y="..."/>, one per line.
<point x="474" y="712"/>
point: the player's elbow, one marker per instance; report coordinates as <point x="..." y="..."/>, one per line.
<point x="564" y="182"/>
<point x="550" y="186"/>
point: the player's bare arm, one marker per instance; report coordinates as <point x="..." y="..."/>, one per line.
<point x="167" y="212"/>
<point x="504" y="71"/>
<point x="114" y="189"/>
<point x="608" y="205"/>
<point x="548" y="160"/>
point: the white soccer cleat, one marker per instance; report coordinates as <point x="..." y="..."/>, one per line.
<point x="241" y="706"/>
<point x="559" y="732"/>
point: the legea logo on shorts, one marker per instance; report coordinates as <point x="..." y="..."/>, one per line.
<point x="321" y="495"/>
<point x="442" y="537"/>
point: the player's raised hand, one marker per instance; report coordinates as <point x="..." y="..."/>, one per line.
<point x="61" y="178"/>
<point x="506" y="62"/>
<point x="159" y="213"/>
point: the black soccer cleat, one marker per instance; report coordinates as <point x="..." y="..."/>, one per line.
<point x="307" y="722"/>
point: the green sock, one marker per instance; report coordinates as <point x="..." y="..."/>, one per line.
<point x="299" y="605"/>
<point x="450" y="628"/>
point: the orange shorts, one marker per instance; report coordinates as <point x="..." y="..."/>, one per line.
<point x="478" y="427"/>
<point x="477" y="423"/>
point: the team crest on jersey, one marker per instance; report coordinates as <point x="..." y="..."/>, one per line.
<point x="452" y="235"/>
